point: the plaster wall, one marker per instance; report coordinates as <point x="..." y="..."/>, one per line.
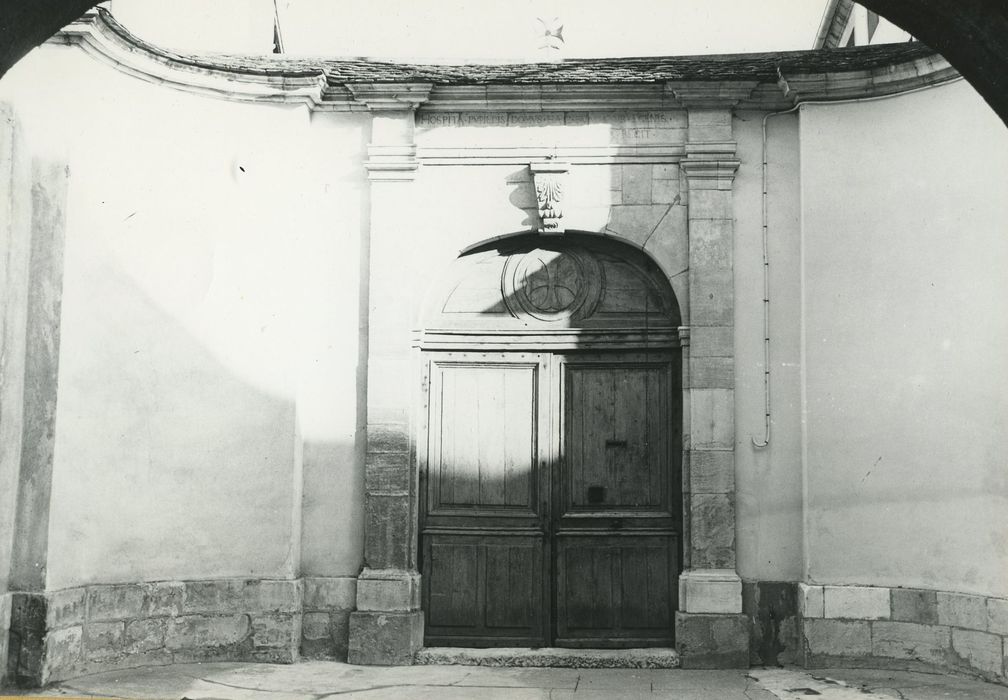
<point x="15" y="239"/>
<point x="209" y="330"/>
<point x="903" y="322"/>
<point x="768" y="480"/>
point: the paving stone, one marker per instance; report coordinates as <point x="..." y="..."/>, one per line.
<point x="962" y="610"/>
<point x="837" y="637"/>
<point x="979" y="650"/>
<point x="316" y="679"/>
<point x="856" y="602"/>
<point x="912" y="605"/>
<point x="909" y="640"/>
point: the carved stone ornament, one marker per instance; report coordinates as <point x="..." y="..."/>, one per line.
<point x="550" y="179"/>
<point x="553" y="285"/>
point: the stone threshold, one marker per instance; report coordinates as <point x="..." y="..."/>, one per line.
<point x="549" y="657"/>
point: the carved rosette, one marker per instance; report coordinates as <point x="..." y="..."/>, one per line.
<point x="549" y="179"/>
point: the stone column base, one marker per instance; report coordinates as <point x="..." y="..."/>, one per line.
<point x="707" y="640"/>
<point x="710" y="591"/>
<point x="385" y="638"/>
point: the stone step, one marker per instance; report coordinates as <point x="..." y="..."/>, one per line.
<point x="549" y="657"/>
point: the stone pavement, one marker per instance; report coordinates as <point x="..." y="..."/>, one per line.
<point x="314" y="680"/>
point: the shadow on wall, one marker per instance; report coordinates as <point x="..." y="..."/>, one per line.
<point x="168" y="465"/>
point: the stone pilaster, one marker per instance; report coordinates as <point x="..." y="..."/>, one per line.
<point x="709" y="626"/>
<point x="387" y="627"/>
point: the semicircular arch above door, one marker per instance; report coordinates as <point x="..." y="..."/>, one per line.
<point x="571" y="290"/>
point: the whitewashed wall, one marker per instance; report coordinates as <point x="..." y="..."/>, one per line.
<point x="904" y="332"/>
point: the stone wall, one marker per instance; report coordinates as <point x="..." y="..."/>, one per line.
<point x="89" y="629"/>
<point x="906" y="627"/>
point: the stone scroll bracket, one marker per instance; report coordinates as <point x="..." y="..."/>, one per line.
<point x="710" y="628"/>
<point x="387" y="626"/>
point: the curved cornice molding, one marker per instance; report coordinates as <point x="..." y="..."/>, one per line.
<point x="743" y="81"/>
<point x="99" y="35"/>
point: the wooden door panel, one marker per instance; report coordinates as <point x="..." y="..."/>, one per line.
<point x="615" y="590"/>
<point x="482" y="590"/>
<point x="484" y="437"/>
<point x="484" y="548"/>
<point x="618" y="431"/>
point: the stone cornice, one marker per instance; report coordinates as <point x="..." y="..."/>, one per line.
<point x="722" y="93"/>
<point x="320" y="85"/>
<point x="390" y="96"/>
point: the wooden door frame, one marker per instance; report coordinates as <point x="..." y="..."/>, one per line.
<point x="550" y="347"/>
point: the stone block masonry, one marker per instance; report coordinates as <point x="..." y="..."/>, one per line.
<point x="904" y="627"/>
<point x="62" y="634"/>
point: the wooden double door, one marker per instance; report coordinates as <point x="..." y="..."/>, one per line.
<point x="550" y="509"/>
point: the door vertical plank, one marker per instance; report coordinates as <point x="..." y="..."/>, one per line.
<point x="465" y="417"/>
<point x="448" y="458"/>
<point x="518" y="433"/>
<point x="490" y="437"/>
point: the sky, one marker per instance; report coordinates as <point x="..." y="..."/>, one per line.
<point x="472" y="30"/>
<point x="591" y="27"/>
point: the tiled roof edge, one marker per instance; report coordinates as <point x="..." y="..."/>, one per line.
<point x="321" y="82"/>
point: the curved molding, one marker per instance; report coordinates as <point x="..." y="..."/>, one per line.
<point x="99" y="35"/>
<point x="333" y="84"/>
